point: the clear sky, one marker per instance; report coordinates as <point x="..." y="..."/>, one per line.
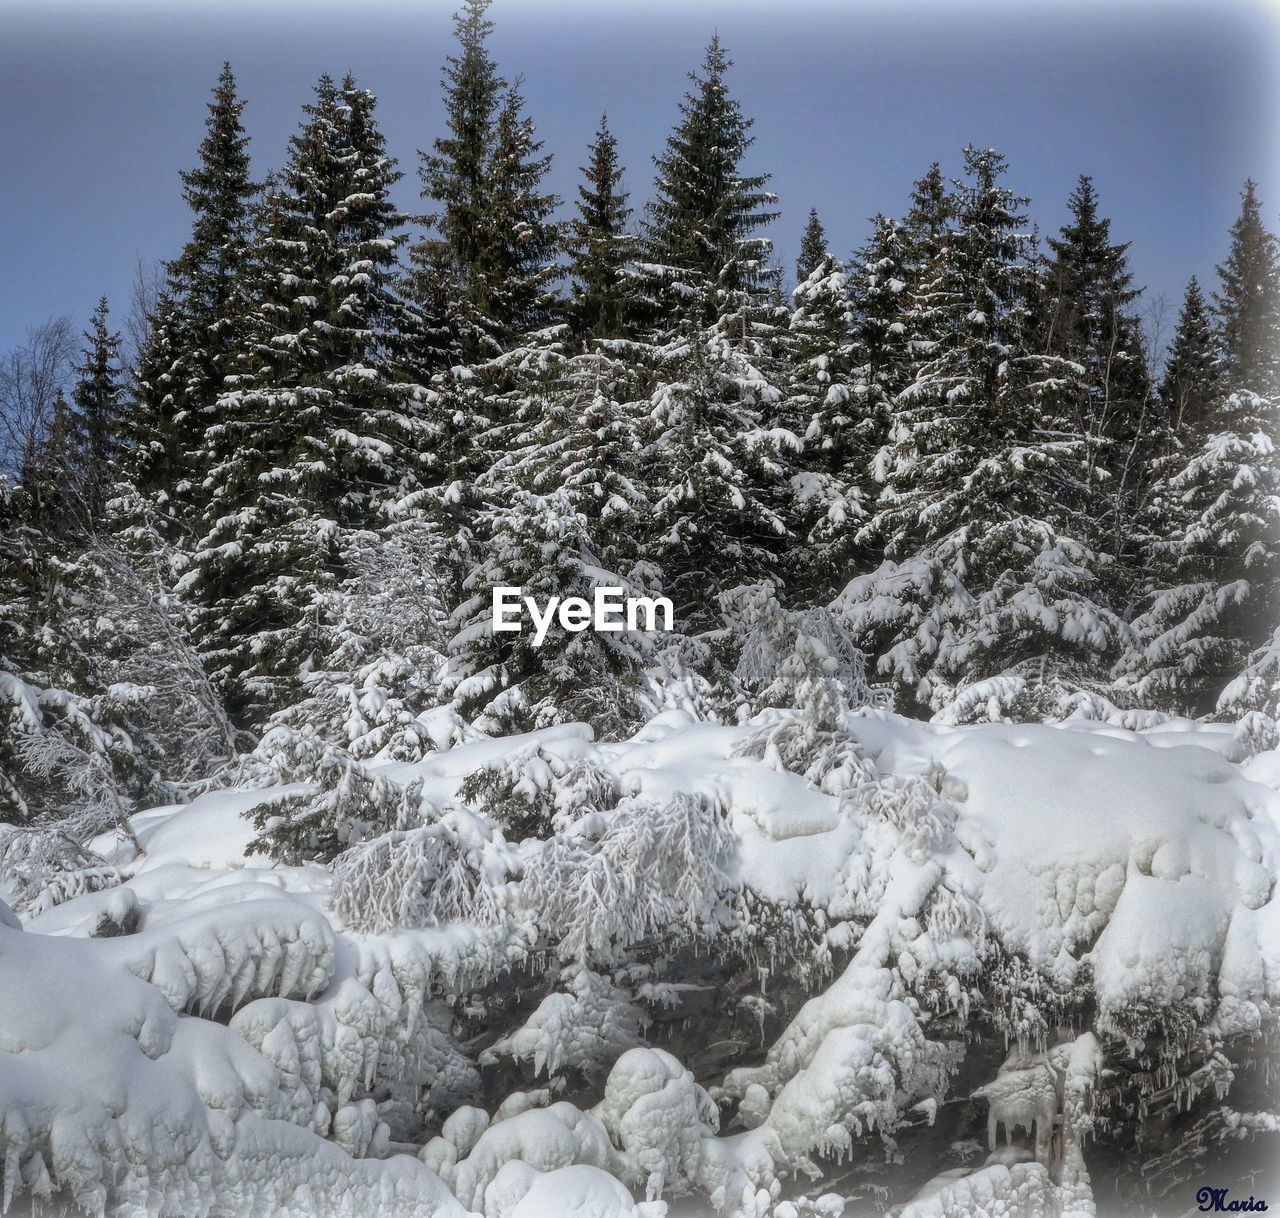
<point x="1168" y="104"/>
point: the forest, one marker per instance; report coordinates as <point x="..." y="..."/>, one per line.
<point x="945" y="525"/>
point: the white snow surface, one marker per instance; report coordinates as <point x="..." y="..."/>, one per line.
<point x="228" y="1047"/>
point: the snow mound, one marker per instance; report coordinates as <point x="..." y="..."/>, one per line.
<point x="568" y="1192"/>
<point x="122" y="1104"/>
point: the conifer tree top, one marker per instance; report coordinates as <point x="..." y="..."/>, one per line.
<point x="598" y="243"/>
<point x="1193" y="367"/>
<point x="1247" y="300"/>
<point x="1086" y="260"/>
<point x="218" y="190"/>
<point x="706" y="209"/>
<point x="813" y="246"/>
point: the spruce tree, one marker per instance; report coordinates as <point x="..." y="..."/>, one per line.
<point x="454" y="173"/>
<point x="847" y="360"/>
<point x="717" y="474"/>
<point x="927" y="220"/>
<point x="1213" y="523"/>
<point x="560" y="516"/>
<point x="813" y="247"/>
<point x="822" y="405"/>
<point x="1090" y="294"/>
<point x="718" y="460"/>
<point x="1247" y="302"/>
<point x="325" y="433"/>
<point x="878" y="294"/>
<point x="699" y="230"/>
<point x="519" y="264"/>
<point x="580" y="434"/>
<point x="1214" y="520"/>
<point x="600" y="248"/>
<point x="97" y="404"/>
<point x="924" y="233"/>
<point x="198" y="326"/>
<point x="487" y="264"/>
<point x="1088" y="318"/>
<point x="989" y="576"/>
<point x="1193" y="368"/>
<point x="46" y="496"/>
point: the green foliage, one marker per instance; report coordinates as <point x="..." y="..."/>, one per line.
<point x="600" y="248"/>
<point x="699" y="229"/>
<point x="813" y="247"/>
<point x="488" y="263"/>
<point x="345" y="803"/>
<point x="198" y="323"/>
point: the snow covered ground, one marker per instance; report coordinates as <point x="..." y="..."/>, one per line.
<point x="758" y="969"/>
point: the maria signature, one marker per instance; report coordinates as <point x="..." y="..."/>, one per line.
<point x="1214" y="1201"/>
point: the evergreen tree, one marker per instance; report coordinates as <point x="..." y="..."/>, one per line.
<point x="718" y="458"/>
<point x="96" y="409"/>
<point x="813" y="247"/>
<point x="1213" y="523"/>
<point x="988" y="576"/>
<point x="822" y="405"/>
<point x="1087" y="304"/>
<point x="488" y="263"/>
<point x="556" y="515"/>
<point x="581" y="433"/>
<point x="924" y="233"/>
<point x="325" y="433"/>
<point x="600" y="248"/>
<point x="878" y="293"/>
<point x="1193" y="368"/>
<point x="698" y="230"/>
<point x="927" y="221"/>
<point x="46" y="496"/>
<point x="198" y="326"/>
<point x="1248" y="302"/>
<point x="519" y="266"/>
<point x="1214" y="520"/>
<point x="847" y="361"/>
<point x="717" y="476"/>
<point x="1090" y="295"/>
<point x="454" y="174"/>
<point x="102" y="700"/>
<point x="1188" y="396"/>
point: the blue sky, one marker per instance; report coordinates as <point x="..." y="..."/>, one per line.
<point x="1168" y="105"/>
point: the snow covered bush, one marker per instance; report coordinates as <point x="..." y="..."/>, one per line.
<point x="384" y="651"/>
<point x="43" y="866"/>
<point x="805" y="658"/>
<point x="587" y="1025"/>
<point x="656" y="871"/>
<point x="1257" y="686"/>
<point x="533" y="791"/>
<point x="447" y="871"/>
<point x="342" y="803"/>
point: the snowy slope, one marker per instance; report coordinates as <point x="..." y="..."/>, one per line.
<point x="233" y="1036"/>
